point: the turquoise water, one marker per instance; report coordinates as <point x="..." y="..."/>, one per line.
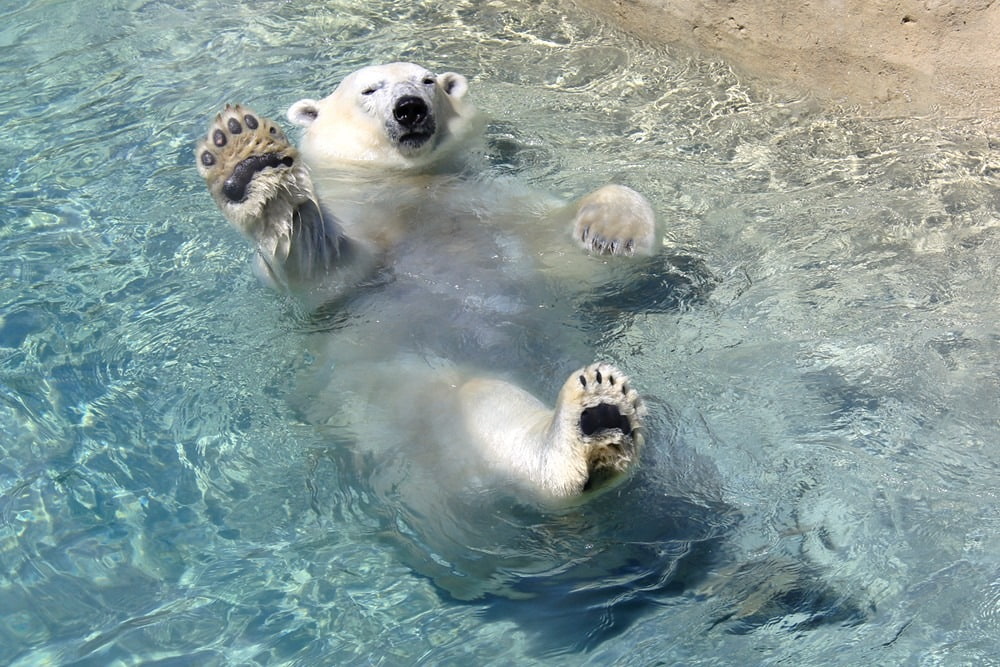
<point x="161" y="502"/>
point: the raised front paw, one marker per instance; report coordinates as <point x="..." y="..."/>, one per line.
<point x="249" y="168"/>
<point x="615" y="220"/>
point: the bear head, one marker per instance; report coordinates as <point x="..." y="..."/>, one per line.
<point x="398" y="116"/>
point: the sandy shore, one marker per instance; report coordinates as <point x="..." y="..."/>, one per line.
<point x="909" y="57"/>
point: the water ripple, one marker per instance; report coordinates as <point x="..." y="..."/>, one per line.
<point x="825" y="336"/>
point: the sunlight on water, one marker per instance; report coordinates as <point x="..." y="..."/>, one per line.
<point x="831" y="351"/>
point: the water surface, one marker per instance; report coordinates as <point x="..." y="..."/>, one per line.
<point x="161" y="501"/>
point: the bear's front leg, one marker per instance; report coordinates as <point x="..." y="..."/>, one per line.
<point x="615" y="220"/>
<point x="263" y="188"/>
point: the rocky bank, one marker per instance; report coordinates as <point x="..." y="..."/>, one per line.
<point x="894" y="57"/>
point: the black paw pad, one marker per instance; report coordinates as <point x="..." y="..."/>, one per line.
<point x="207" y="159"/>
<point x="234" y="126"/>
<point x="219" y="138"/>
<point x="603" y="417"/>
<point x="251" y="121"/>
<point x="235" y="187"/>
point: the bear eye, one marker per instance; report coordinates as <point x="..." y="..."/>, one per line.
<point x="429" y="81"/>
<point x="369" y="90"/>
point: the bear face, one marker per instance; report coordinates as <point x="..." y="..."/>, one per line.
<point x="397" y="116"/>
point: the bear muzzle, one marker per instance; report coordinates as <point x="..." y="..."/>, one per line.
<point x="412" y="123"/>
<point x="410" y="111"/>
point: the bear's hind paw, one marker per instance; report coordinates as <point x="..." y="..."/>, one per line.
<point x="608" y="400"/>
<point x="608" y="418"/>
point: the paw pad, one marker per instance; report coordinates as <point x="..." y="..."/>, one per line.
<point x="235" y="187"/>
<point x="607" y="415"/>
<point x="607" y="402"/>
<point x="240" y="145"/>
<point x="604" y="416"/>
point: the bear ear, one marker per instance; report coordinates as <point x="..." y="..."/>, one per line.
<point x="454" y="84"/>
<point x="303" y="112"/>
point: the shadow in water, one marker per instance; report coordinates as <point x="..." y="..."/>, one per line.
<point x="666" y="282"/>
<point x="575" y="578"/>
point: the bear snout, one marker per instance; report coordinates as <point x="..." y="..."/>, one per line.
<point x="410" y="111"/>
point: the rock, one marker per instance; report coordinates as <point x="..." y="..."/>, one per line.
<point x="894" y="57"/>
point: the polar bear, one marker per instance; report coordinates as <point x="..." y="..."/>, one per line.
<point x="383" y="176"/>
<point x="385" y="216"/>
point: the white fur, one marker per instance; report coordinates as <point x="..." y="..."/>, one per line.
<point x="381" y="187"/>
<point x="347" y="129"/>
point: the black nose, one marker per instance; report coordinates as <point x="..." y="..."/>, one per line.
<point x="410" y="111"/>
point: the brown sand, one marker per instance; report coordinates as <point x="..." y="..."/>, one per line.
<point x="894" y="57"/>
